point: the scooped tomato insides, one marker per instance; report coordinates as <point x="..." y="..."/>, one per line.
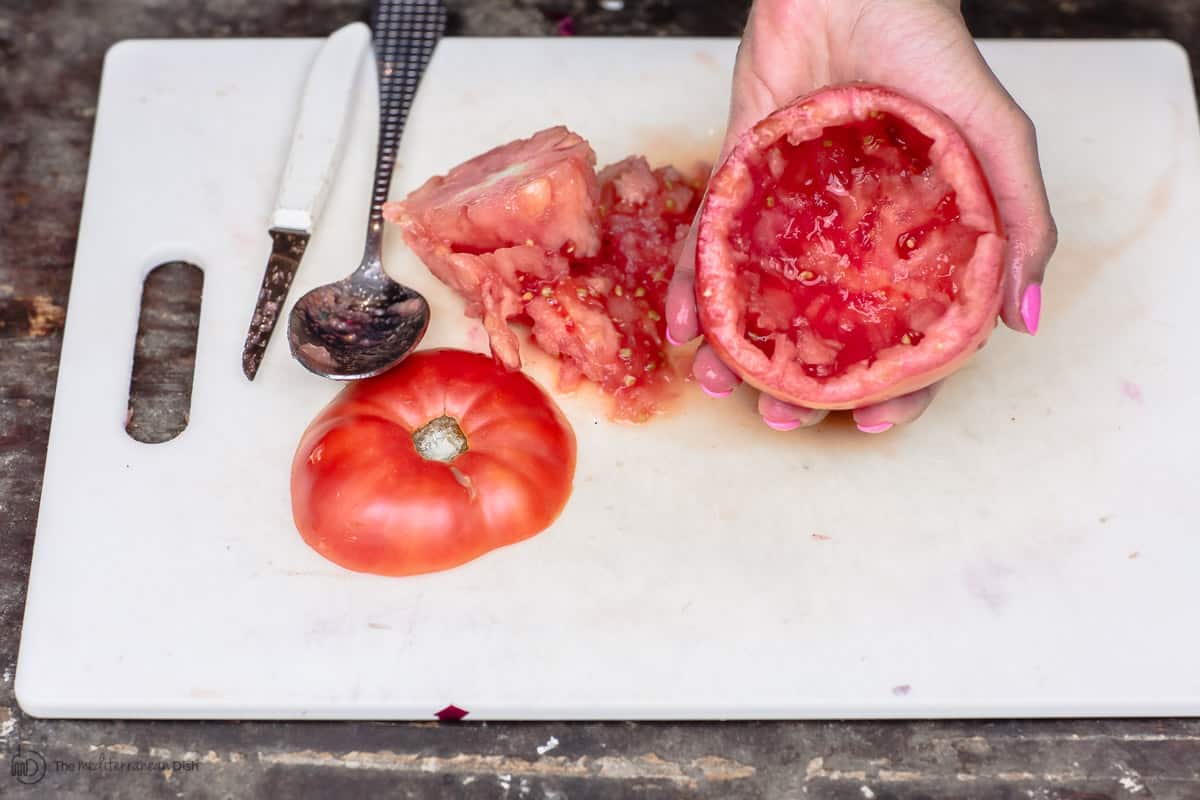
<point x="851" y="241"/>
<point x="528" y="232"/>
<point x="608" y="323"/>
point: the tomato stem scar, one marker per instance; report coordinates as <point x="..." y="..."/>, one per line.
<point x="440" y="439"/>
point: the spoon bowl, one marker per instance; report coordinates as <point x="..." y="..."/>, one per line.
<point x="367" y="323"/>
<point x="357" y="327"/>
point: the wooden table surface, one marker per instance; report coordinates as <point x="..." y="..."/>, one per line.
<point x="50" y="56"/>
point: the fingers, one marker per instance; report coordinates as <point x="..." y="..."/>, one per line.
<point x="751" y="99"/>
<point x="1010" y="159"/>
<point x="716" y="379"/>
<point x="933" y="57"/>
<point x="783" y="416"/>
<point x="719" y="381"/>
<point x="870" y="419"/>
<point x="897" y="411"/>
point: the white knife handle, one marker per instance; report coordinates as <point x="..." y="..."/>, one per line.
<point x="318" y="134"/>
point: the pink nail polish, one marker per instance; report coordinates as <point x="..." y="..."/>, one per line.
<point x="671" y="338"/>
<point x="789" y="425"/>
<point x="1031" y="307"/>
<point x="717" y="395"/>
<point x="878" y="427"/>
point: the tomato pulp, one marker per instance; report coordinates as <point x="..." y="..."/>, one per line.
<point x="528" y="232"/>
<point x="430" y="465"/>
<point x="835" y="260"/>
<point x="849" y="250"/>
<point x="605" y="318"/>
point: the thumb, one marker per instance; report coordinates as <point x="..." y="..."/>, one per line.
<point x="683" y="323"/>
<point x="750" y="101"/>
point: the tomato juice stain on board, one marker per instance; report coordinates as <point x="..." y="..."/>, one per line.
<point x="1132" y="391"/>
<point x="684" y="147"/>
<point x="708" y="60"/>
<point x="1083" y="255"/>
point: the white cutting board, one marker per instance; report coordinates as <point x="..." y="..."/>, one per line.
<point x="1030" y="547"/>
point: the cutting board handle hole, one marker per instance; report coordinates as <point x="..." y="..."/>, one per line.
<point x="164" y="354"/>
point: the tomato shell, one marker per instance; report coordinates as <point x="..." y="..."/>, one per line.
<point x="894" y="370"/>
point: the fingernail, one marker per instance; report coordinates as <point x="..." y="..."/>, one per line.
<point x="717" y="395"/>
<point x="879" y="427"/>
<point x="671" y="339"/>
<point x="789" y="425"/>
<point x="1031" y="307"/>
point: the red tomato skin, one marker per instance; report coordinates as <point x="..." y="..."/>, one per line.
<point x="363" y="497"/>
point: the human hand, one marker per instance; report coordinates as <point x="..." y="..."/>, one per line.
<point x="923" y="49"/>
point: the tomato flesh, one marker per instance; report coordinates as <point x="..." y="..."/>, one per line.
<point x="528" y="232"/>
<point x="644" y="217"/>
<point x="850" y="243"/>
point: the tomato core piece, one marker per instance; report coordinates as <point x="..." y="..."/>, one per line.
<point x="440" y="439"/>
<point x="852" y="243"/>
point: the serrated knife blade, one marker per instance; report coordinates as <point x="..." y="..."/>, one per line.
<point x="315" y="150"/>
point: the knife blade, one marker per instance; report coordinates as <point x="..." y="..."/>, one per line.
<point x="316" y="147"/>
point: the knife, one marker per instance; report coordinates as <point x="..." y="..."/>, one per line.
<point x="316" y="147"/>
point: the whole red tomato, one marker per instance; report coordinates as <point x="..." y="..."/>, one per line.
<point x="430" y="465"/>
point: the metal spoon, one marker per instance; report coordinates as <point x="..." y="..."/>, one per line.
<point x="367" y="323"/>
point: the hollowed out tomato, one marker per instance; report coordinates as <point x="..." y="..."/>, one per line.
<point x="849" y="250"/>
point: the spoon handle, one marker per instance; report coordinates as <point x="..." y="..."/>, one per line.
<point x="406" y="31"/>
